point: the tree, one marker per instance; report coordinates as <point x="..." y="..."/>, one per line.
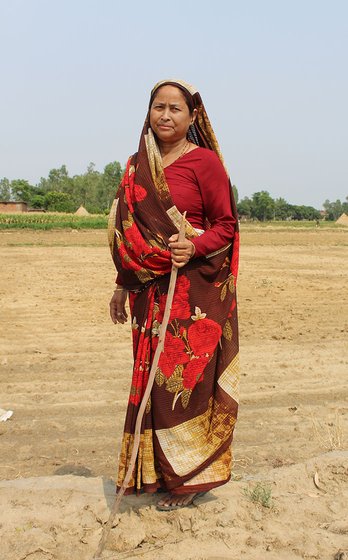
<point x="345" y="206"/>
<point x="22" y="190"/>
<point x="108" y="186"/>
<point x="304" y="212"/>
<point x="333" y="209"/>
<point x="85" y="189"/>
<point x="58" y="180"/>
<point x="5" y="189"/>
<point x="262" y="206"/>
<point x="58" y="202"/>
<point x="244" y="207"/>
<point x="37" y="201"/>
<point x="282" y="209"/>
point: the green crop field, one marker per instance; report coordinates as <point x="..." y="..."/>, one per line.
<point x="52" y="220"/>
<point x="60" y="220"/>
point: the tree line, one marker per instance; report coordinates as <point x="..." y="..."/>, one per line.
<point x="261" y="206"/>
<point x="61" y="193"/>
<point x="96" y="190"/>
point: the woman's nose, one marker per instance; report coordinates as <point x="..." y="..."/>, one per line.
<point x="165" y="115"/>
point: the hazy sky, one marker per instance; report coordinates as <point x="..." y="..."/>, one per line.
<point x="76" y="76"/>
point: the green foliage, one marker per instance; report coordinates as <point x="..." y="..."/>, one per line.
<point x="37" y="201"/>
<point x="22" y="190"/>
<point x="5" y="189"/>
<point x="304" y="213"/>
<point x="60" y="192"/>
<point x="282" y="209"/>
<point x="55" y="201"/>
<point x="58" y="180"/>
<point x="335" y="209"/>
<point x="109" y="184"/>
<point x="260" y="494"/>
<point x="263" y="207"/>
<point x="44" y="220"/>
<point x="96" y="191"/>
<point x="244" y="207"/>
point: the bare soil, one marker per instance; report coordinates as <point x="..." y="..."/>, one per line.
<point x="65" y="371"/>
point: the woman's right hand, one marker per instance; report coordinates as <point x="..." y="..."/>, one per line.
<point x="118" y="311"/>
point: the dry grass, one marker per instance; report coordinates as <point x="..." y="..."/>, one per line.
<point x="329" y="435"/>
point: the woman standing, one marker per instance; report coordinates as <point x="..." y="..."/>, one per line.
<point x="187" y="430"/>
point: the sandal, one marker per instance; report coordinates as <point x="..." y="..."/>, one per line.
<point x="169" y="507"/>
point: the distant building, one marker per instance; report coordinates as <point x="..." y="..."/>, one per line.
<point x="13" y="206"/>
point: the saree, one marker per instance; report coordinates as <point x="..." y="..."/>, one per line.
<point x="188" y="425"/>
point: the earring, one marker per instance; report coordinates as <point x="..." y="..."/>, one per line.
<point x="192" y="134"/>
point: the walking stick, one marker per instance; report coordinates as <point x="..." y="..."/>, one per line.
<point x="162" y="334"/>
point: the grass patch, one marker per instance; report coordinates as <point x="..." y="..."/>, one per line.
<point x="293" y="224"/>
<point x="52" y="220"/>
<point x="60" y="220"/>
<point x="260" y="494"/>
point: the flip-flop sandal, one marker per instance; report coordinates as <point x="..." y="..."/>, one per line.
<point x="173" y="507"/>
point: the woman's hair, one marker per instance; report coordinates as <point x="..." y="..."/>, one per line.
<point x="187" y="95"/>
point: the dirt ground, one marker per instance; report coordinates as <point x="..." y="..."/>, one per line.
<point x="65" y="372"/>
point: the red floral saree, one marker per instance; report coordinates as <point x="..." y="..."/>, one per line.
<point x="190" y="417"/>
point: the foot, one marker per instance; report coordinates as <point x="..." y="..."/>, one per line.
<point x="175" y="501"/>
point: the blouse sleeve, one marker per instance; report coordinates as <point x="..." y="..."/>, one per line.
<point x="215" y="191"/>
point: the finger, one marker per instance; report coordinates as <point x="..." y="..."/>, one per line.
<point x="179" y="262"/>
<point x="180" y="245"/>
<point x="120" y="318"/>
<point x="117" y="315"/>
<point x="181" y="254"/>
<point x="174" y="237"/>
<point x="113" y="313"/>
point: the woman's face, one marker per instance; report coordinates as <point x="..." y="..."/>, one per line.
<point x="169" y="115"/>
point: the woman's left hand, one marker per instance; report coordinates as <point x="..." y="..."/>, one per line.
<point x="182" y="251"/>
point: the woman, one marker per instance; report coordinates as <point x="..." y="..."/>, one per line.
<point x="188" y="426"/>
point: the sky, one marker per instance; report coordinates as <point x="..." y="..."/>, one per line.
<point x="76" y="77"/>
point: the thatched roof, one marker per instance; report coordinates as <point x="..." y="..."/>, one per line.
<point x="343" y="220"/>
<point x="82" y="211"/>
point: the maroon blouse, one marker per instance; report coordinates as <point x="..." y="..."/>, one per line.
<point x="198" y="184"/>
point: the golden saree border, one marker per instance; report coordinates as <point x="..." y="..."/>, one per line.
<point x="188" y="445"/>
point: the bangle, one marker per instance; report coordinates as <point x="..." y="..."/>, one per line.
<point x="119" y="289"/>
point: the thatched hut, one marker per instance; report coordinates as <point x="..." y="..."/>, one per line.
<point x="82" y="211"/>
<point x="342" y="220"/>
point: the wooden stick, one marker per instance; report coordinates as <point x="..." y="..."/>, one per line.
<point x="107" y="527"/>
